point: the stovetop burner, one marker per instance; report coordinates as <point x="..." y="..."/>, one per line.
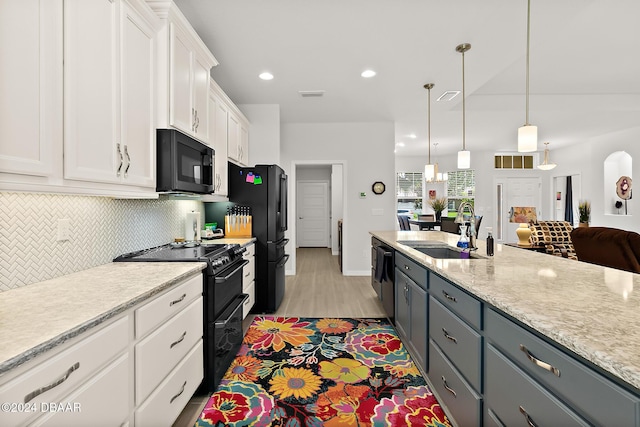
<point x="216" y="256"/>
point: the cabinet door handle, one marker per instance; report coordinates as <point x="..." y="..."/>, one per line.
<point x="54" y="384"/>
<point x="193" y="119"/>
<point x="527" y="417"/>
<point x="449" y="297"/>
<point x="126" y="153"/>
<point x="406" y="267"/>
<point x="449" y="337"/>
<point x="179" y="393"/>
<point x="121" y="159"/>
<point x="175" y="343"/>
<point x="544" y="365"/>
<point x="449" y="389"/>
<point x="177" y="301"/>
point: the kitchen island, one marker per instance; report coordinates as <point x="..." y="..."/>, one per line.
<point x="586" y="313"/>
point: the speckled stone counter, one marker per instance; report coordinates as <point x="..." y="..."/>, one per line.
<point x="592" y="311"/>
<point x="41" y="316"/>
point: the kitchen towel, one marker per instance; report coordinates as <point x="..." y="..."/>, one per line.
<point x="192" y="226"/>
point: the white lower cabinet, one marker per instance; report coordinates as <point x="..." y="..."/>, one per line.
<point x="140" y="368"/>
<point x="104" y="400"/>
<point x="248" y="279"/>
<point x="172" y="395"/>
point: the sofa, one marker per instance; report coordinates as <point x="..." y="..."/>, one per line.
<point x="555" y="237"/>
<point x="609" y="247"/>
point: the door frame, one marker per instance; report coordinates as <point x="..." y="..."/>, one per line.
<point x="501" y="220"/>
<point x="293" y="187"/>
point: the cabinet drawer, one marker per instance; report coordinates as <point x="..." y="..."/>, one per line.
<point x="169" y="399"/>
<point x="461" y="344"/>
<point x="457" y="300"/>
<point x="452" y="390"/>
<point x="250" y="250"/>
<point x="59" y="375"/>
<point x="248" y="272"/>
<point x="248" y="304"/>
<point x="159" y="353"/>
<point x="412" y="269"/>
<point x="103" y="399"/>
<point x="157" y="311"/>
<point x="581" y="387"/>
<point x="512" y="396"/>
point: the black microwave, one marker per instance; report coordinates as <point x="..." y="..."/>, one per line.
<point x="183" y="164"/>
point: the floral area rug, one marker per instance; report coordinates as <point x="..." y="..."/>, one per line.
<point x="304" y="372"/>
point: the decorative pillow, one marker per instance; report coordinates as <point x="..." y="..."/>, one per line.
<point x="565" y="250"/>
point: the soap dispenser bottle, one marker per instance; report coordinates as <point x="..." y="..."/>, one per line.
<point x="490" y="241"/>
<point x="463" y="241"/>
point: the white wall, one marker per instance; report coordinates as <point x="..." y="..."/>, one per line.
<point x="264" y="133"/>
<point x="366" y="152"/>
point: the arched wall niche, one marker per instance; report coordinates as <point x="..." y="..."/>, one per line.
<point x="616" y="165"/>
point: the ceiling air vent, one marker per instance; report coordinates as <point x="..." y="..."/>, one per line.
<point x="311" y="93"/>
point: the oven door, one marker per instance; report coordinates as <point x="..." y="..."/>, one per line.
<point x="225" y="339"/>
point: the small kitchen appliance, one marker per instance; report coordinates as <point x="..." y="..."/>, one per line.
<point x="183" y="164"/>
<point x="222" y="297"/>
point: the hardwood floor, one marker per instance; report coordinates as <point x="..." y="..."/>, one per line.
<point x="317" y="290"/>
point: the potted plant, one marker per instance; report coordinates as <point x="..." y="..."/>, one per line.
<point x="438" y="205"/>
<point x="584" y="209"/>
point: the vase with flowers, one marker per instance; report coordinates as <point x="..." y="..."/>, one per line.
<point x="438" y="204"/>
<point x="584" y="210"/>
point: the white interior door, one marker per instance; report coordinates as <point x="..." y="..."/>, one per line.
<point x="313" y="214"/>
<point x="519" y="192"/>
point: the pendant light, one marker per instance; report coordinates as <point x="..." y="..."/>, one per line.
<point x="546" y="165"/>
<point x="527" y="134"/>
<point x="464" y="156"/>
<point x="430" y="170"/>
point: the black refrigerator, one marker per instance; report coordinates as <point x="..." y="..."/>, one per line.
<point x="264" y="189"/>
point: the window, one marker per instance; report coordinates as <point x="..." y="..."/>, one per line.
<point x="409" y="191"/>
<point x="513" y="162"/>
<point x="461" y="186"/>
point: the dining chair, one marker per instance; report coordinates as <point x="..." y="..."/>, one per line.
<point x="404" y="222"/>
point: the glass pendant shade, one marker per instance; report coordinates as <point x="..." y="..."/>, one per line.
<point x="429" y="172"/>
<point x="527" y="139"/>
<point x="546" y="165"/>
<point x="464" y="159"/>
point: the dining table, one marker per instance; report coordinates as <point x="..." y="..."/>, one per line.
<point x="425" y="224"/>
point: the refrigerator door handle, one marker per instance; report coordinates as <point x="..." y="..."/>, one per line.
<point x="285" y="258"/>
<point x="283" y="243"/>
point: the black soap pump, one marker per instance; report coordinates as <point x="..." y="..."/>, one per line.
<point x="489" y="241"/>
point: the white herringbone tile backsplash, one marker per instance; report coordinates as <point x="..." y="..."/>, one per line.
<point x="101" y="229"/>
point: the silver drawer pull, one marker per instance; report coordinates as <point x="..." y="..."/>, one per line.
<point x="527" y="417"/>
<point x="179" y="393"/>
<point x="179" y="300"/>
<point x="555" y="371"/>
<point x="54" y="384"/>
<point x="449" y="337"/>
<point x="184" y="334"/>
<point x="406" y="267"/>
<point x="449" y="297"/>
<point x="449" y="389"/>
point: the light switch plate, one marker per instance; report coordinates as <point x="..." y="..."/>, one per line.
<point x="64" y="229"/>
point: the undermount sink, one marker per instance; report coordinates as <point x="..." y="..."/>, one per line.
<point x="439" y="250"/>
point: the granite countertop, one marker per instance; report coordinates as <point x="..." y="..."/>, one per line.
<point x="38" y="317"/>
<point x="588" y="309"/>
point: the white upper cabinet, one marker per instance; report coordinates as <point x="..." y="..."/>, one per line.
<point x="30" y="87"/>
<point x="218" y="129"/>
<point x="238" y="141"/>
<point x="109" y="97"/>
<point x="184" y="66"/>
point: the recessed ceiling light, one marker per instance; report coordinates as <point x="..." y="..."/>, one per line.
<point x="266" y="76"/>
<point x="448" y="95"/>
<point x="400" y="144"/>
<point x="412" y="136"/>
<point x="368" y="73"/>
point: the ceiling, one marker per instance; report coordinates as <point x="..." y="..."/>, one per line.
<point x="584" y="65"/>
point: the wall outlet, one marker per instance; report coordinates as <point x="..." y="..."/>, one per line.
<point x="64" y="229"/>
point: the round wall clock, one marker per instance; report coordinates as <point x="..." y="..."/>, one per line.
<point x="378" y="187"/>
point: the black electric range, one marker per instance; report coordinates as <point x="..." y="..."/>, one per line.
<point x="222" y="296"/>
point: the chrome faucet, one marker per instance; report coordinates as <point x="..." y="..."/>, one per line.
<point x="471" y="232"/>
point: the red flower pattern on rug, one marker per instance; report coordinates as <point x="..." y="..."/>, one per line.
<point x="297" y="372"/>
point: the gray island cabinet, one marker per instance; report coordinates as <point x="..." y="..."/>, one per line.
<point x="521" y="338"/>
